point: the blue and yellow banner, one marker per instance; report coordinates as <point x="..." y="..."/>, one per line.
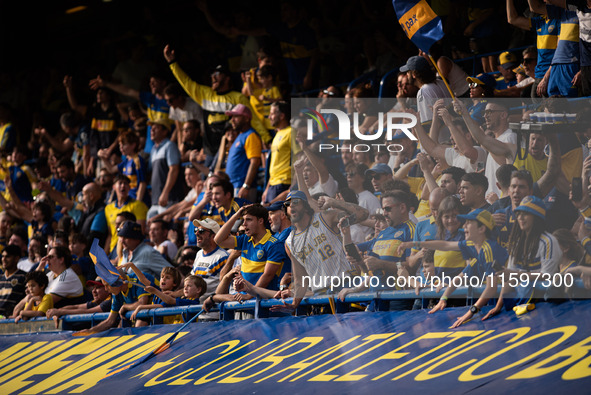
<point x="419" y="22"/>
<point x="547" y="350"/>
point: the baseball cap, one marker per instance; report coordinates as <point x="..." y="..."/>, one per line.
<point x="381" y="168"/>
<point x="507" y="60"/>
<point x="296" y="195"/>
<point x="162" y="122"/>
<point x="483" y="79"/>
<point x="207" y="223"/>
<point x="95" y="283"/>
<point x="533" y="205"/>
<point x="480" y="215"/>
<point x="221" y="69"/>
<point x="275" y="206"/>
<point x="415" y="63"/>
<point x="240" y="109"/>
<point x="131" y="230"/>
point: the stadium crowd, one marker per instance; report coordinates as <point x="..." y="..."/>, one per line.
<point x="208" y="192"/>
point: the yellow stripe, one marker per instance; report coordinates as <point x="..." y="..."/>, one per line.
<point x="536" y="208"/>
<point x="547" y="41"/>
<point x="417" y="17"/>
<point x="569" y="32"/>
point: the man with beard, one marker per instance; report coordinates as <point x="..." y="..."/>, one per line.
<point x="315" y="247"/>
<point x="502" y="147"/>
<point x="144" y="256"/>
<point x="244" y="156"/>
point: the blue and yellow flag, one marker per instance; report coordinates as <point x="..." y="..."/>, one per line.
<point x="103" y="266"/>
<point x="419" y="22"/>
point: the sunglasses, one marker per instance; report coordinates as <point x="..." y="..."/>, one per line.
<point x="327" y="92"/>
<point x="528" y="60"/>
<point x="187" y="258"/>
<point x="490" y="112"/>
<point x="390" y="208"/>
<point x="473" y="85"/>
<point x="201" y="230"/>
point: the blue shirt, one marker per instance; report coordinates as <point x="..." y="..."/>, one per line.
<point x="132" y="294"/>
<point x="480" y="262"/>
<point x="256" y="256"/>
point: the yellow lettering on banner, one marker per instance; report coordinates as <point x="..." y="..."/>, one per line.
<point x="479" y="335"/>
<point x="395" y="354"/>
<point x="17" y="379"/>
<point x="565" y="357"/>
<point x="567" y="331"/>
<point x="229" y="346"/>
<point x="453" y="338"/>
<point x="207" y="378"/>
<point x="298" y="367"/>
<point x="89" y="346"/>
<point x="386" y="337"/>
<point x="225" y="353"/>
<point x="273" y="359"/>
<point x="426" y="374"/>
<point x="8" y="355"/>
<point x="417" y="17"/>
<point x="128" y="352"/>
<point x="19" y="358"/>
<point x="34" y="357"/>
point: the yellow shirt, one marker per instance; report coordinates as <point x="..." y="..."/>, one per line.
<point x="45" y="304"/>
<point x="139" y="209"/>
<point x="281" y="149"/>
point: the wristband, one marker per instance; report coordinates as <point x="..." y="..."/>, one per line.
<point x="443" y="298"/>
<point x="172" y="61"/>
<point x="245" y="186"/>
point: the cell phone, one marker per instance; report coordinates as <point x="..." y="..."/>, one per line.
<point x="346" y="223"/>
<point x="352" y="251"/>
<point x="577" y="189"/>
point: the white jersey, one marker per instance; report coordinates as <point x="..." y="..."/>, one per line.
<point x="320" y="251"/>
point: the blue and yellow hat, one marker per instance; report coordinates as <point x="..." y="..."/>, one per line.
<point x="296" y="195"/>
<point x="533" y="205"/>
<point x="480" y="215"/>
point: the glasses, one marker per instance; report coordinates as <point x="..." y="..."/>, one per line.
<point x="50" y="256"/>
<point x="473" y="85"/>
<point x="528" y="60"/>
<point x="327" y="92"/>
<point x="376" y="176"/>
<point x="390" y="208"/>
<point x="187" y="258"/>
<point x="351" y="175"/>
<point x="490" y="112"/>
<point x="201" y="230"/>
<point x="292" y="201"/>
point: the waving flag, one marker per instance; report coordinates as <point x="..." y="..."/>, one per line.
<point x="419" y="22"/>
<point x="103" y="266"/>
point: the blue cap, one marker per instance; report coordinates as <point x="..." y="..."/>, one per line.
<point x="533" y="205"/>
<point x="296" y="195"/>
<point x="480" y="215"/>
<point x="415" y="63"/>
<point x="381" y="168"/>
<point x="483" y="79"/>
<point x="276" y="206"/>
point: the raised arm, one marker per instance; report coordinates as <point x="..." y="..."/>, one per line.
<point x="223" y="238"/>
<point x="553" y="175"/>
<point x="74" y="105"/>
<point x="427" y="142"/>
<point x="119" y="88"/>
<point x="515" y="19"/>
<point x="538" y="7"/>
<point x="463" y="145"/>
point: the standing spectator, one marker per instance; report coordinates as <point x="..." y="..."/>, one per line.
<point x="473" y="191"/>
<point x="123" y="202"/>
<point x="158" y="233"/>
<point x="12" y="280"/>
<point x="182" y="109"/>
<point x="8" y="136"/>
<point x="146" y="258"/>
<point x="189" y="139"/>
<point x="265" y="95"/>
<point x="244" y="156"/>
<point x="282" y="147"/>
<point x="362" y="187"/>
<point x="214" y="101"/>
<point x="165" y="164"/>
<point x="157" y="107"/>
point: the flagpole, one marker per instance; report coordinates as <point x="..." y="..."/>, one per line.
<point x="442" y="77"/>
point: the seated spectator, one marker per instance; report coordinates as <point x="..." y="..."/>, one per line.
<point x="135" y="250"/>
<point x="194" y="287"/>
<point x="507" y="62"/>
<point x="64" y="285"/>
<point x="158" y="233"/>
<point x="81" y="262"/>
<point x="37" y="302"/>
<point x="37" y="249"/>
<point x="100" y="303"/>
<point x="170" y="280"/>
<point x="12" y="280"/>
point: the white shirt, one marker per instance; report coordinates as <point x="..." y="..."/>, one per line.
<point x="330" y="187"/>
<point x="454" y="158"/>
<point x="66" y="285"/>
<point x="190" y="111"/>
<point x="490" y="169"/>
